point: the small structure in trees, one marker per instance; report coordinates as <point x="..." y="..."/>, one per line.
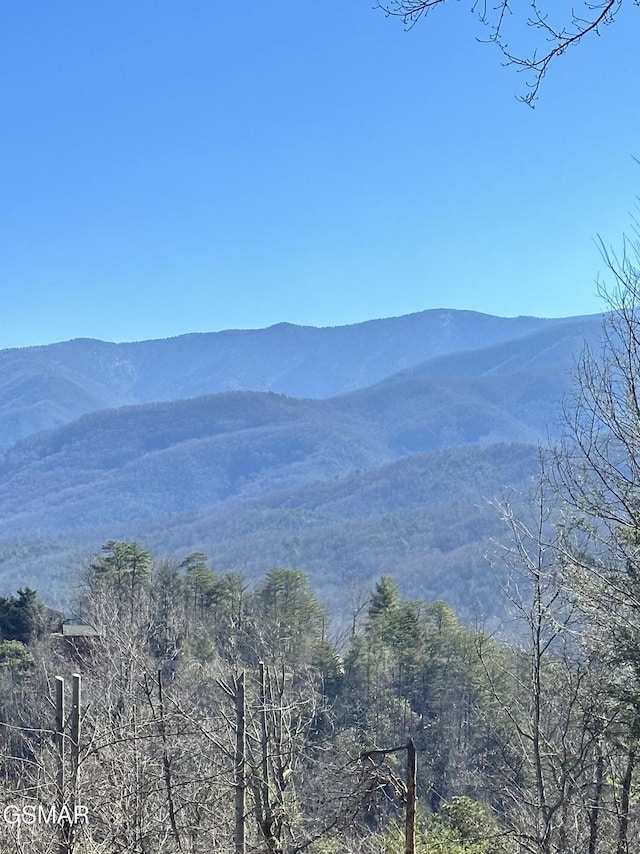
<point x="78" y="636"/>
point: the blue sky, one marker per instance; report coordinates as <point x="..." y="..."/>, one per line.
<point x="175" y="167"/>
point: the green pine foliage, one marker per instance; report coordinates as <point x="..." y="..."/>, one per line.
<point x="327" y="717"/>
<point x="21" y="616"/>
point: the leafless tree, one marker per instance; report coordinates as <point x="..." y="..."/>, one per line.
<point x="547" y="692"/>
<point x="597" y="479"/>
<point x="558" y="28"/>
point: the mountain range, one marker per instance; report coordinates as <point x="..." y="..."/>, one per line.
<point x="348" y="451"/>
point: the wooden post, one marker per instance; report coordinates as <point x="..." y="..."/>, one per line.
<point x="65" y="828"/>
<point x="60" y="722"/>
<point x="410" y="826"/>
<point x="240" y="773"/>
<point x="410" y="814"/>
<point x="60" y="737"/>
<point x="75" y="733"/>
<point x="75" y="756"/>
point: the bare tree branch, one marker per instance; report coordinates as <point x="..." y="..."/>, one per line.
<point x="554" y="39"/>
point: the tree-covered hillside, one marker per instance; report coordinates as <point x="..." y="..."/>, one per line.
<point x="206" y="714"/>
<point x="46" y="387"/>
<point x="426" y="518"/>
<point x="258" y="479"/>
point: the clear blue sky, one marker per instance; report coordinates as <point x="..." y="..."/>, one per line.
<point x="174" y="167"/>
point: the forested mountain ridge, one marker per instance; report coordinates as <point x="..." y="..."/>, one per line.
<point x="137" y="461"/>
<point x="47" y="386"/>
<point x="548" y="348"/>
<point x="258" y="479"/>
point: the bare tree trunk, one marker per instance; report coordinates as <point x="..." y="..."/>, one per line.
<point x="268" y="818"/>
<point x="240" y="763"/>
<point x="410" y="830"/>
<point x="537" y="626"/>
<point x="623" y="826"/>
<point x="166" y="764"/>
<point x="596" y="802"/>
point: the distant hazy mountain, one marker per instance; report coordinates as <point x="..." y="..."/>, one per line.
<point x="45" y="387"/>
<point x="393" y="476"/>
<point x="138" y="461"/>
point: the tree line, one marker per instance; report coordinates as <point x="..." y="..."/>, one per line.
<point x="192" y="677"/>
<point x="162" y="649"/>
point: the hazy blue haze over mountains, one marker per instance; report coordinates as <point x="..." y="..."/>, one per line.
<point x="44" y="387"/>
<point x="402" y="431"/>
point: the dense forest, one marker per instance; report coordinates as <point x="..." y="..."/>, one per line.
<point x="211" y="715"/>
